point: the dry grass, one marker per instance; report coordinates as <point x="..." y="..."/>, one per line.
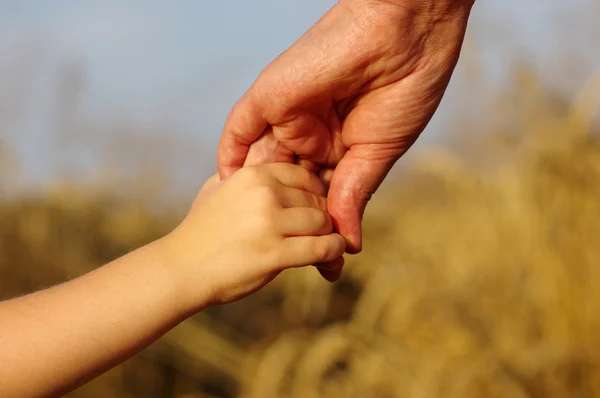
<point x="480" y="279"/>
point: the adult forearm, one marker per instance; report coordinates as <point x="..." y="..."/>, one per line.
<point x="53" y="340"/>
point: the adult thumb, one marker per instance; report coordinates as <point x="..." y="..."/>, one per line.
<point x="355" y="179"/>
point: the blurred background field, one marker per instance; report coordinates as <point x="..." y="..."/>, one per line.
<point x="480" y="275"/>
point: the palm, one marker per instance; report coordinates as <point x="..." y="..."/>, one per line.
<point x="353" y="93"/>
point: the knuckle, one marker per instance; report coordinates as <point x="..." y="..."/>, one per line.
<point x="265" y="194"/>
<point x="320" y="219"/>
<point x="313" y="200"/>
<point x="321" y="203"/>
<point x="364" y="195"/>
<point x="265" y="222"/>
<point x="322" y="250"/>
<point x="304" y="175"/>
<point x="313" y="180"/>
<point x="254" y="175"/>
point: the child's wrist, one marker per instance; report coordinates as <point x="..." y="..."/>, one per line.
<point x="174" y="259"/>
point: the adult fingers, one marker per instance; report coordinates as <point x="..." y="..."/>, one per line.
<point x="266" y="149"/>
<point x="244" y="125"/>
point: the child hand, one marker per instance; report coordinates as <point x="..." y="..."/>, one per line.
<point x="242" y="232"/>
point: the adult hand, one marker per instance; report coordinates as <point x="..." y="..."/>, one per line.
<point x="353" y="94"/>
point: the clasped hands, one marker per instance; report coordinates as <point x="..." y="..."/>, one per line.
<point x="348" y="99"/>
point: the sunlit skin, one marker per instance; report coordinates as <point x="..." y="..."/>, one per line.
<point x="54" y="340"/>
<point x="353" y="94"/>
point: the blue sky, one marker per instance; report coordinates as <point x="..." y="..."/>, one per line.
<point x="184" y="63"/>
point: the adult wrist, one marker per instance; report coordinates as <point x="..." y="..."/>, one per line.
<point x="442" y="21"/>
<point x="437" y="9"/>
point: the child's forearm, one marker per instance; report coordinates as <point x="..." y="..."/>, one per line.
<point x="54" y="340"/>
<point x="226" y="248"/>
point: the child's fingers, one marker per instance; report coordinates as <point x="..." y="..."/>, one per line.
<point x="294" y="197"/>
<point x="295" y="176"/>
<point x="331" y="271"/>
<point x="331" y="276"/>
<point x="309" y="165"/>
<point x="301" y="251"/>
<point x="304" y="221"/>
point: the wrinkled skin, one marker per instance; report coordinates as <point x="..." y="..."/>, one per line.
<point x="352" y="94"/>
